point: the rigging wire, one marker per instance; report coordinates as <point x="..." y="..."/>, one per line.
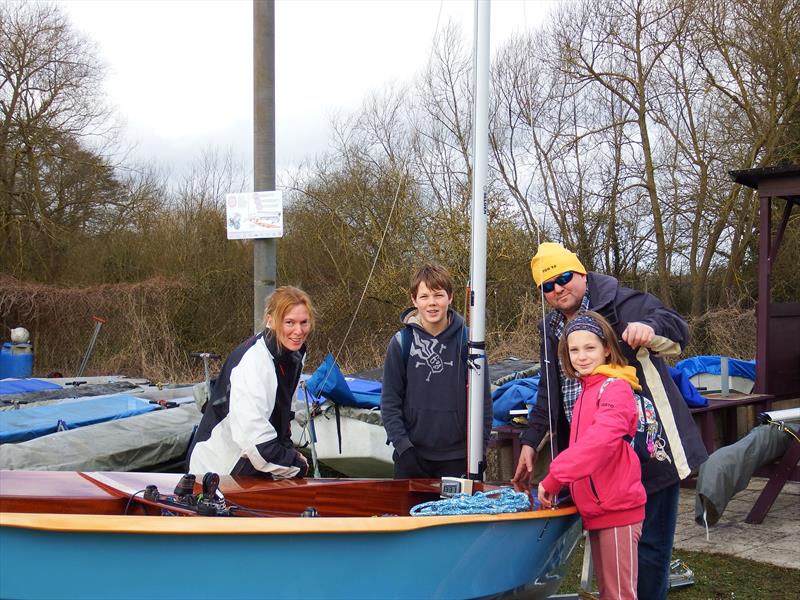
<point x="338" y="353"/>
<point x="781" y="426"/>
<point x="545" y="368"/>
<point x="372" y="269"/>
<point x="545" y="360"/>
<point x="403" y="177"/>
<point x="128" y="505"/>
<point x="388" y="220"/>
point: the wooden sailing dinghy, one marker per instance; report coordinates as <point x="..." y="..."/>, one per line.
<point x="107" y="535"/>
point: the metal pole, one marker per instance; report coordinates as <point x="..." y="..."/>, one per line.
<point x="724" y="379"/>
<point x="477" y="313"/>
<point x="312" y="433"/>
<point x="763" y="385"/>
<point x="264" y="250"/>
<point x="98" y="324"/>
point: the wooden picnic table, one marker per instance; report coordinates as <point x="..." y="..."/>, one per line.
<point x="726" y="406"/>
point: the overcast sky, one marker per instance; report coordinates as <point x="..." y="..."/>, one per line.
<point x="180" y="72"/>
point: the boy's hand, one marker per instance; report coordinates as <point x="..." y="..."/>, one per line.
<point x="522" y="476"/>
<point x="410" y="462"/>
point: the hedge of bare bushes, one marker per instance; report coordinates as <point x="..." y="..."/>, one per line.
<point x="144" y="335"/>
<point x="138" y="338"/>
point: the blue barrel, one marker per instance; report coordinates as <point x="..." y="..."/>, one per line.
<point x="16" y="360"/>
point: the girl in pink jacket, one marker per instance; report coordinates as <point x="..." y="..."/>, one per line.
<point x="601" y="468"/>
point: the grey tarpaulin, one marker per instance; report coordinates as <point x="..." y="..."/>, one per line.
<point x="728" y="470"/>
<point x="132" y="444"/>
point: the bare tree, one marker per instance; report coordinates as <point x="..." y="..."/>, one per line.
<point x="619" y="46"/>
<point x="748" y="54"/>
<point x="560" y="148"/>
<point x="51" y="183"/>
<point x="442" y="140"/>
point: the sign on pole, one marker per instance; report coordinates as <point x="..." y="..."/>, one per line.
<point x="251" y="215"/>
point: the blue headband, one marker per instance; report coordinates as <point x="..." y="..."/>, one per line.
<point x="585" y="323"/>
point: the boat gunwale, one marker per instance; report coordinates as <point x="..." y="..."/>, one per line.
<point x="157" y="524"/>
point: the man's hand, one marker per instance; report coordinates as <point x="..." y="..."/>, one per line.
<point x="638" y="334"/>
<point x="522" y="476"/>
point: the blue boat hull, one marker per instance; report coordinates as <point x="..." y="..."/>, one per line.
<point x="458" y="560"/>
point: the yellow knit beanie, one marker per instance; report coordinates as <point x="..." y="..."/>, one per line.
<point x="553" y="259"/>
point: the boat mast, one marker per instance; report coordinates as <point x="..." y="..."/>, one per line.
<point x="477" y="313"/>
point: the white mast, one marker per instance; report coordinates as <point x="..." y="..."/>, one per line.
<point x="477" y="313"/>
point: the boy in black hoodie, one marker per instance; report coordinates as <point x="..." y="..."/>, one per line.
<point x="424" y="394"/>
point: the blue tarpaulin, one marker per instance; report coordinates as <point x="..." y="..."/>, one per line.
<point x="366" y="392"/>
<point x="711" y="364"/>
<point x="29" y="423"/>
<point x="515" y="394"/>
<point x="687" y="389"/>
<point x="327" y="381"/>
<point x="20" y="386"/>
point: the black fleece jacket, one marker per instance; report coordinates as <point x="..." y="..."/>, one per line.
<point x="424" y="400"/>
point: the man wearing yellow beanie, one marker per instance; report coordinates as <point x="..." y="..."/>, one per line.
<point x="648" y="330"/>
<point x="565" y="277"/>
<point x="553" y="259"/>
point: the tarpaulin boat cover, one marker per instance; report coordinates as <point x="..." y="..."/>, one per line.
<point x="18" y="386"/>
<point x="328" y="382"/>
<point x="47" y="396"/>
<point x="728" y="470"/>
<point x="687" y="389"/>
<point x="522" y="393"/>
<point x="138" y="443"/>
<point x="28" y="423"/>
<point x="711" y="364"/>
<point x="516" y="394"/>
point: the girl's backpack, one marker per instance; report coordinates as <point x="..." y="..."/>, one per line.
<point x="647" y="441"/>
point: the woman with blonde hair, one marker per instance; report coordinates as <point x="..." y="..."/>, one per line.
<point x="245" y="429"/>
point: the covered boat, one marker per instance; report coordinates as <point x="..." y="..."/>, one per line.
<point x="109" y="423"/>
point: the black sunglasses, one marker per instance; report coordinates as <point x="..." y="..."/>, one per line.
<point x="562" y="280"/>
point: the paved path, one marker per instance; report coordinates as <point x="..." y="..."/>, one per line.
<point x="775" y="541"/>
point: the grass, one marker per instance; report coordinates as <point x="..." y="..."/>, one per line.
<point x="717" y="577"/>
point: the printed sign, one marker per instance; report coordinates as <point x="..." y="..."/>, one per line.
<point x="252" y="215"/>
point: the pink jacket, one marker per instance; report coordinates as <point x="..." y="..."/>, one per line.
<point x="602" y="469"/>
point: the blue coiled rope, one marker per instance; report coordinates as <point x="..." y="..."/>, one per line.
<point x="504" y="500"/>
